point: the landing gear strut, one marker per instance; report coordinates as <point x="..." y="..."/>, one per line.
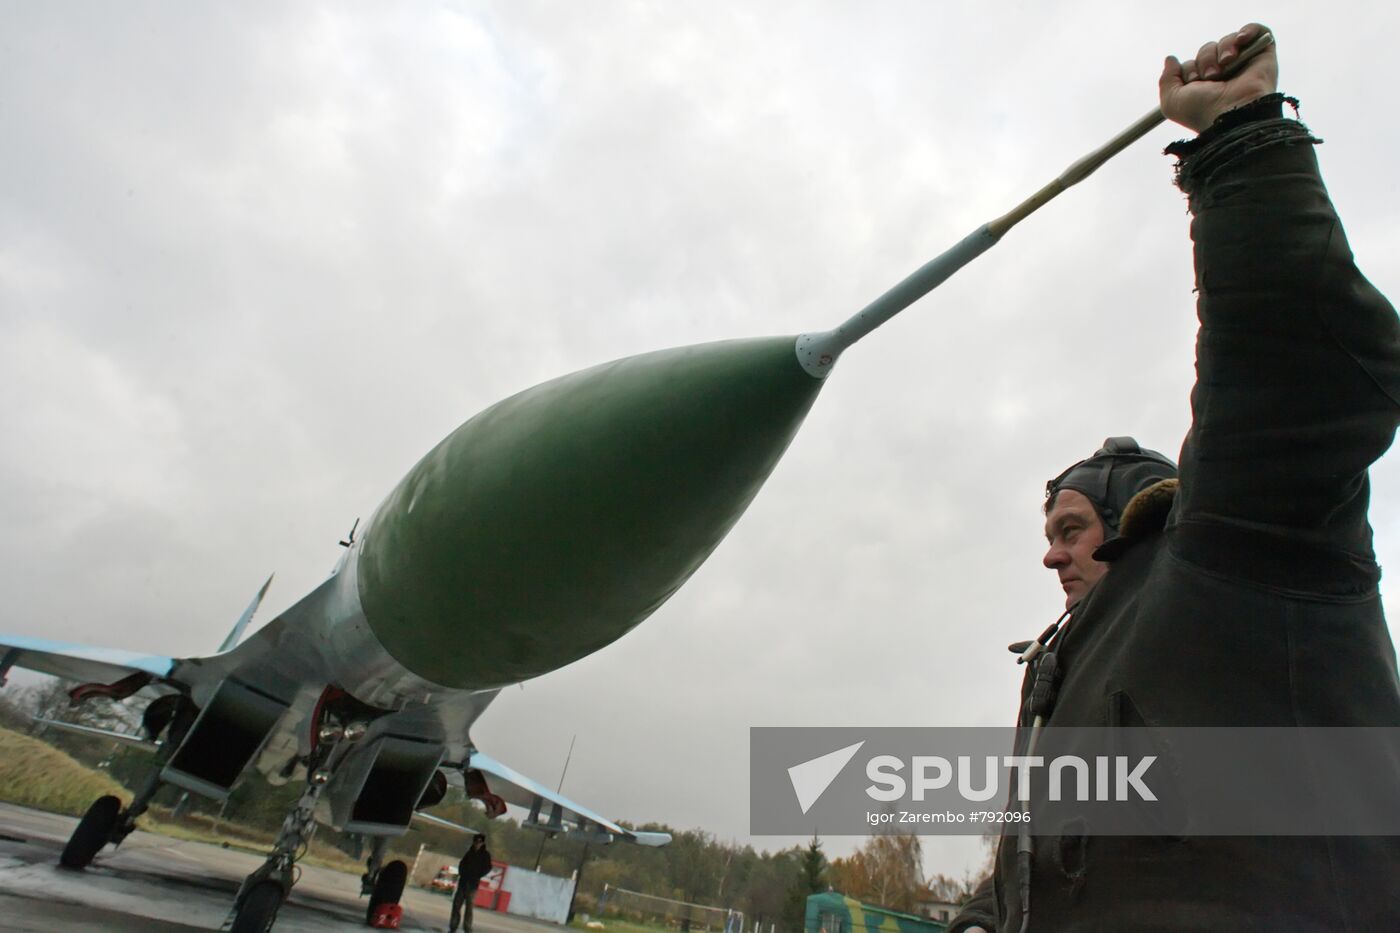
<point x="262" y="893"/>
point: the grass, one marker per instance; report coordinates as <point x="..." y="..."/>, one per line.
<point x="200" y="828"/>
<point x="35" y="774"/>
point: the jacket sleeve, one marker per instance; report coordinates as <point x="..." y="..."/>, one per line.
<point x="979" y="911"/>
<point x="1297" y="367"/>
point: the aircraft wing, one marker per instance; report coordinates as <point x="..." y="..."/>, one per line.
<point x="111" y="735"/>
<point x="423" y="816"/>
<point x="118" y="673"/>
<point x="551" y="811"/>
<point x="78" y="662"/>
<point x="641" y="839"/>
<point x="89" y="665"/>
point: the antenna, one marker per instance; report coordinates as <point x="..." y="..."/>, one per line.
<point x="349" y="540"/>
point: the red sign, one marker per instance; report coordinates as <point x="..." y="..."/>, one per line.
<point x="488" y="890"/>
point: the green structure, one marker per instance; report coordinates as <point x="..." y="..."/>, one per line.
<point x="833" y="912"/>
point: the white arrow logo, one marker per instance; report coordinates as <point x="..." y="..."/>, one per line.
<point x="811" y="778"/>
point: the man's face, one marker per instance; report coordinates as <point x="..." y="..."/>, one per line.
<point x="1074" y="531"/>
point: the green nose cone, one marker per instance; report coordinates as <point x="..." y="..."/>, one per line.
<point x="553" y="522"/>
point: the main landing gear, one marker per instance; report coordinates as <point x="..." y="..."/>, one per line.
<point x="106" y="821"/>
<point x="383" y="883"/>
<point x="94" y="831"/>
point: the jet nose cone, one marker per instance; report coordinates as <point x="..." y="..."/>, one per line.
<point x="555" y="521"/>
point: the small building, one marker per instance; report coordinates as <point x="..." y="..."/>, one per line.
<point x="834" y="912"/>
<point x="942" y="911"/>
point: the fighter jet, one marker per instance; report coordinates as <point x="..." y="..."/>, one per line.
<point x="537" y="533"/>
<point x="540" y="531"/>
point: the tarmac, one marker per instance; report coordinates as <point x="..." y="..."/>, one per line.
<point x="154" y="883"/>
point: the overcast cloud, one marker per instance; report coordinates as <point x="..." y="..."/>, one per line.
<point x="257" y="258"/>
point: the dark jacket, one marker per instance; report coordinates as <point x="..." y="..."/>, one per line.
<point x="475" y="865"/>
<point x="1254" y="602"/>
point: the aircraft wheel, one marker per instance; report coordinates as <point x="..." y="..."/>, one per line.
<point x="388" y="887"/>
<point x="259" y="908"/>
<point x="93" y="832"/>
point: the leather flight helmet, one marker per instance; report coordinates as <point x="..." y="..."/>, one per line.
<point x="1117" y="471"/>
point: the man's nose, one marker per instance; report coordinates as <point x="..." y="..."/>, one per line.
<point x="1055" y="557"/>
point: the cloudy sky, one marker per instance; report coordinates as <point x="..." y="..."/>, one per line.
<point x="257" y="258"/>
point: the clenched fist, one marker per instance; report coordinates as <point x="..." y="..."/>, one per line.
<point x="1193" y="96"/>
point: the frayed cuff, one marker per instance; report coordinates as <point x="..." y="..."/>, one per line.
<point x="1235" y="133"/>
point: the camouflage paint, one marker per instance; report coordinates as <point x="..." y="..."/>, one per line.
<point x="834" y="912"/>
<point x="555" y="521"/>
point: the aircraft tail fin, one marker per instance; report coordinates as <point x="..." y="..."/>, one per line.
<point x="244" y="619"/>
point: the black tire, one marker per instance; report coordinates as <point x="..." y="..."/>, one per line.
<point x="388" y="887"/>
<point x="259" y="908"/>
<point x="93" y="832"/>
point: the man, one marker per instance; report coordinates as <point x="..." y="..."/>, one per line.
<point x="1086" y="503"/>
<point x="1247" y="595"/>
<point x="475" y="865"/>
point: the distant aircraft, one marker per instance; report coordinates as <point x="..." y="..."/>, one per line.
<point x="535" y="534"/>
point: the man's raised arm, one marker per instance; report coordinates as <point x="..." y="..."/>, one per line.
<point x="1298" y="356"/>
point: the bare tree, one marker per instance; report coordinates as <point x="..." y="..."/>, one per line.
<point x="887" y="871"/>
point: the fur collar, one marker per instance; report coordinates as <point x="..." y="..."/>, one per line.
<point x="1145" y="514"/>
